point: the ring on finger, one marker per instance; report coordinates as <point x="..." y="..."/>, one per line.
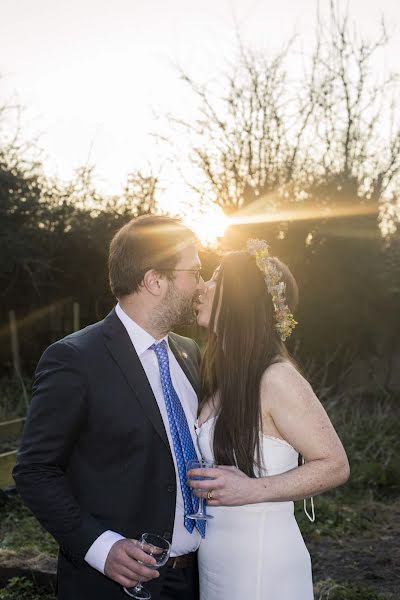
<point x="209" y="495"/>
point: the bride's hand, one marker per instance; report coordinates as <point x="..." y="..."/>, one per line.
<point x="229" y="486"/>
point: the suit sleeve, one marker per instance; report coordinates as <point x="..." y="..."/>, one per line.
<point x="56" y="417"/>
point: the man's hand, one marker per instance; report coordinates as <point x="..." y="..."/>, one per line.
<point x="122" y="563"/>
<point x="229" y="486"/>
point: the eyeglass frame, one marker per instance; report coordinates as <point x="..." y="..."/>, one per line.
<point x="196" y="271"/>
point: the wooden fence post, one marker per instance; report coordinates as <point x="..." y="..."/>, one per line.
<point x="53" y="322"/>
<point x="15" y="353"/>
<point x="14" y="342"/>
<point x="76" y="316"/>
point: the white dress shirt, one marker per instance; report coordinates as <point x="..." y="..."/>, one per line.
<point x="183" y="542"/>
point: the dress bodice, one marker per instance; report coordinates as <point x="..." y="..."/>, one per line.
<point x="278" y="456"/>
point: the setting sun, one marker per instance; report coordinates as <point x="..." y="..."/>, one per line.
<point x="208" y="223"/>
<point x="204" y="217"/>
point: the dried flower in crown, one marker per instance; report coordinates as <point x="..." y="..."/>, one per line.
<point x="285" y="322"/>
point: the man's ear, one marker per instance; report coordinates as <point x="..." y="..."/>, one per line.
<point x="152" y="281"/>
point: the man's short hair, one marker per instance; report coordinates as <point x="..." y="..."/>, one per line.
<point x="146" y="242"/>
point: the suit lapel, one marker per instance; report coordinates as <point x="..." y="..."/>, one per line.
<point x="121" y="349"/>
<point x="187" y="365"/>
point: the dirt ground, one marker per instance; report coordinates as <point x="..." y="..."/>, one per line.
<point x="372" y="561"/>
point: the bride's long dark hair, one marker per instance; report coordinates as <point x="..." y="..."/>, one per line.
<point x="242" y="343"/>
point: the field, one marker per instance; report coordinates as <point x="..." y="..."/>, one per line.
<point x="354" y="542"/>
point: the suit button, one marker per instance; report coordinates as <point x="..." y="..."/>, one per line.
<point x="171" y="487"/>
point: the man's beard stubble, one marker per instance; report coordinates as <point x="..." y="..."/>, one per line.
<point x="176" y="310"/>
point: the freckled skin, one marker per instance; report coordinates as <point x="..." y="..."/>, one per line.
<point x="290" y="411"/>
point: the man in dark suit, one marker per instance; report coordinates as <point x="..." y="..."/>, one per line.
<point x="98" y="460"/>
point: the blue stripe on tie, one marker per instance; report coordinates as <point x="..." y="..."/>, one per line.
<point x="182" y="440"/>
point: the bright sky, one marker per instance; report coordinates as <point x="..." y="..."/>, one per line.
<point x="91" y="73"/>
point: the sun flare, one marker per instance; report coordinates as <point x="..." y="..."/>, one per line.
<point x="208" y="223"/>
<point x="206" y="218"/>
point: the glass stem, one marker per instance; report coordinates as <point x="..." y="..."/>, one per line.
<point x="201" y="506"/>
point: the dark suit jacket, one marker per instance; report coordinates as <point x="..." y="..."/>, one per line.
<point x="95" y="454"/>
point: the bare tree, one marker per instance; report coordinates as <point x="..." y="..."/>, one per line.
<point x="319" y="139"/>
<point x="352" y="158"/>
<point x="20" y="205"/>
<point x="140" y="193"/>
<point x="241" y="141"/>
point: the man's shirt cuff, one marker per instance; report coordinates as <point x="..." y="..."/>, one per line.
<point x="97" y="554"/>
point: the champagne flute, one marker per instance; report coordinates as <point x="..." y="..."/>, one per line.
<point x="158" y="548"/>
<point x="201" y="514"/>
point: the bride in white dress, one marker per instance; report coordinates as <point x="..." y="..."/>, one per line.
<point x="259" y="413"/>
<point x="260" y="543"/>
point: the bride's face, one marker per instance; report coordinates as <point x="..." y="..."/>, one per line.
<point x="204" y="306"/>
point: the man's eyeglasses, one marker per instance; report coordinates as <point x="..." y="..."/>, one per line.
<point x="196" y="272"/>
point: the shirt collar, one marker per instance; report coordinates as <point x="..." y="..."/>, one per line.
<point x="140" y="338"/>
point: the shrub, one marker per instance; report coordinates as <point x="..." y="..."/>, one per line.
<point x="331" y="590"/>
<point x="12" y="402"/>
<point x="21" y="588"/>
<point x="20" y="530"/>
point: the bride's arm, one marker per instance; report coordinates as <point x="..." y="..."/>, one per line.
<point x="303" y="423"/>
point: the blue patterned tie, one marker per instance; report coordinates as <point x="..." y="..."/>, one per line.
<point x="182" y="440"/>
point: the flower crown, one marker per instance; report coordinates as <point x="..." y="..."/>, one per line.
<point x="285" y="322"/>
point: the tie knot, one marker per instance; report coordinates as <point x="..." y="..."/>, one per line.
<point x="160" y="349"/>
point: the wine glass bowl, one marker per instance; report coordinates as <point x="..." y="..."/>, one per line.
<point x="156" y="547"/>
<point x="201" y="514"/>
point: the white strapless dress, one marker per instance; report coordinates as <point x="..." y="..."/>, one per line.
<point x="255" y="551"/>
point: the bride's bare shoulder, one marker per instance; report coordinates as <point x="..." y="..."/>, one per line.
<point x="280" y="368"/>
<point x="283" y="376"/>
